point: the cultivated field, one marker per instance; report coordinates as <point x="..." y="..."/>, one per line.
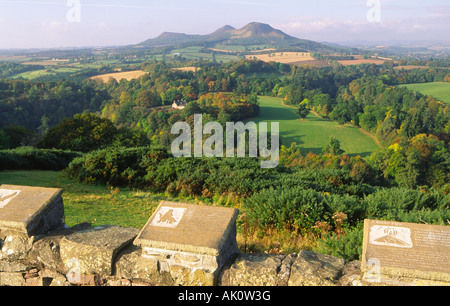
<point x="439" y="90"/>
<point x="185" y="69"/>
<point x="283" y="57"/>
<point x="312" y="133"/>
<point x="410" y="67"/>
<point x="360" y="60"/>
<point x="127" y="75"/>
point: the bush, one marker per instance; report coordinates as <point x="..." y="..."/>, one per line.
<point x="347" y="246"/>
<point x="210" y="176"/>
<point x="113" y="166"/>
<point x="287" y="208"/>
<point x="29" y="158"/>
<point x="406" y="205"/>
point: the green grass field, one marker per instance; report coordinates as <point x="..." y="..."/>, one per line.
<point x="439" y="90"/>
<point x="193" y="53"/>
<point x="29" y="75"/>
<point x="312" y="133"/>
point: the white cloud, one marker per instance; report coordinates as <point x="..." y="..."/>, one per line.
<point x="423" y="27"/>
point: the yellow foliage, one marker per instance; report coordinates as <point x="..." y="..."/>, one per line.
<point x="395" y="147"/>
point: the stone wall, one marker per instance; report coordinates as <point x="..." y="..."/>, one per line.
<point x="106" y="256"/>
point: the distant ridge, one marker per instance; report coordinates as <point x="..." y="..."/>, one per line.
<point x="254" y="33"/>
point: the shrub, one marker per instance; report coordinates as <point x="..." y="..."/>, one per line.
<point x="286" y="208"/>
<point x="401" y="204"/>
<point x="29" y="158"/>
<point x="112" y="166"/>
<point x="347" y="246"/>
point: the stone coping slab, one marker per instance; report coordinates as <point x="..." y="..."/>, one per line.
<point x="207" y="230"/>
<point x="23" y="208"/>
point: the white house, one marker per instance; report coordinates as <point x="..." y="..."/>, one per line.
<point x="180" y="104"/>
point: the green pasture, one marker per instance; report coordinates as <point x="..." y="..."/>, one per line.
<point x="193" y="53"/>
<point x="29" y="75"/>
<point x="439" y="90"/>
<point x="312" y="133"/>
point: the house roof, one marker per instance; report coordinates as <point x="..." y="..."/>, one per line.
<point x="180" y="103"/>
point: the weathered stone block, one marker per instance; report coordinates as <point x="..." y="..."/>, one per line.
<point x="53" y="278"/>
<point x="16" y="245"/>
<point x="132" y="265"/>
<point x="13" y="266"/>
<point x="94" y="251"/>
<point x="253" y="270"/>
<point x="13" y="279"/>
<point x="313" y="269"/>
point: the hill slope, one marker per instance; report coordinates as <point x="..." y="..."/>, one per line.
<point x="254" y="33"/>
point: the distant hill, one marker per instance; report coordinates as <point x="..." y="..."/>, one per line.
<point x="254" y="33"/>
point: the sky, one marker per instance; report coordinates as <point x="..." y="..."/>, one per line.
<point x="78" y="23"/>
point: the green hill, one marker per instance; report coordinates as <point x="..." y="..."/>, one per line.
<point x="254" y="33"/>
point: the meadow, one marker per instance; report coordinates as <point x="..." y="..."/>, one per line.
<point x="312" y="133"/>
<point x="439" y="90"/>
<point x="193" y="53"/>
<point x="54" y="70"/>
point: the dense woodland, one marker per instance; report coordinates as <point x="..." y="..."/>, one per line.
<point x="122" y="130"/>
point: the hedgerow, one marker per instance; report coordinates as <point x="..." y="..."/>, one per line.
<point x="29" y="158"/>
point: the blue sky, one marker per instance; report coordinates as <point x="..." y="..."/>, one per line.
<point x="44" y="23"/>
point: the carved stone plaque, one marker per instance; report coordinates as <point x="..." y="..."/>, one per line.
<point x="406" y="250"/>
<point x="31" y="210"/>
<point x="196" y="239"/>
<point x="189" y="228"/>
